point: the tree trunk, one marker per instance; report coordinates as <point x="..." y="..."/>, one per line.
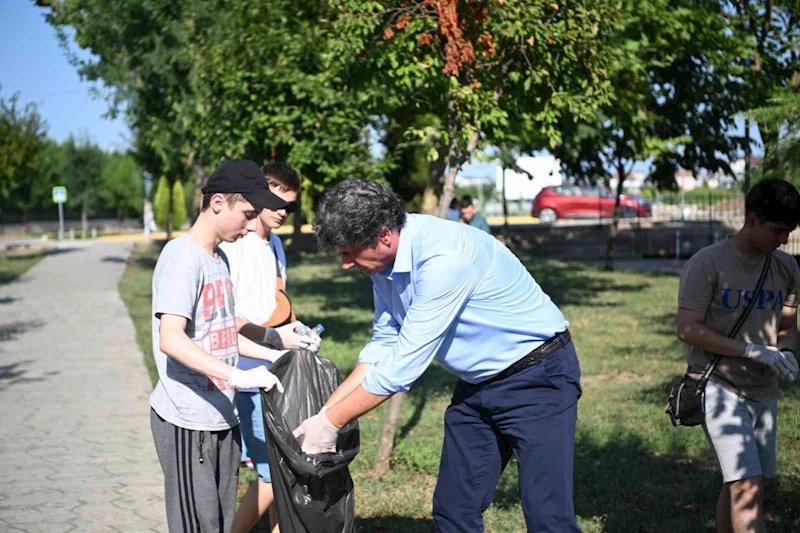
<point x="386" y="442"/>
<point x="85" y="218"/>
<point x="456" y="158"/>
<point x="23" y="218"/>
<point x="769" y="139"/>
<point x="432" y="190"/>
<point x="612" y="233"/>
<point x="297" y="221"/>
<point x="200" y="177"/>
<point x="448" y="191"/>
<point x="429" y="200"/>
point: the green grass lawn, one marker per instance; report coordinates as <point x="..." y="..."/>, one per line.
<point x="13" y="266"/>
<point x="634" y="472"/>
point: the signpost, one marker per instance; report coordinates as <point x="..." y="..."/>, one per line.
<point x="59" y="197"/>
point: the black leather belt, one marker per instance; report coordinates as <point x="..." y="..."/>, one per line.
<point x="538" y="355"/>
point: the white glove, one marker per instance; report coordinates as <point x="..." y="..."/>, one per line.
<point x="317" y="434"/>
<point x="285" y="338"/>
<point x="789" y="356"/>
<point x="772" y="357"/>
<point x="255" y="378"/>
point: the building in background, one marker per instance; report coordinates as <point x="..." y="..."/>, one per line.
<point x="687" y="181"/>
<point x="633" y="184"/>
<point x="546" y="172"/>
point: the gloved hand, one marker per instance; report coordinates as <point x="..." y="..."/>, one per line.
<point x="317" y="434"/>
<point x="255" y="378"/>
<point x="789" y="356"/>
<point x="285" y="338"/>
<point x="772" y="357"/>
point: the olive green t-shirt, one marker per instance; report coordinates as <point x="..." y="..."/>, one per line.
<point x="719" y="282"/>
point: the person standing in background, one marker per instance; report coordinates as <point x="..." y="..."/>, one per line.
<point x="471" y="217"/>
<point x="454" y="212"/>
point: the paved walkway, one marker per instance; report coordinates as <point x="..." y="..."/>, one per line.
<point x="76" y="452"/>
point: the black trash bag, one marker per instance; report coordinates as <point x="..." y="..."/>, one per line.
<point x="313" y="493"/>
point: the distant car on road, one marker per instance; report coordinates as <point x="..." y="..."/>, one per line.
<point x="572" y="201"/>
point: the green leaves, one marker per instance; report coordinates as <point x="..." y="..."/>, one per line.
<point x="22" y="134"/>
<point x="122" y="186"/>
<point x="161" y="203"/>
<point x="782" y="114"/>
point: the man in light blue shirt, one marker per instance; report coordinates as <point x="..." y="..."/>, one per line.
<point x="455" y="294"/>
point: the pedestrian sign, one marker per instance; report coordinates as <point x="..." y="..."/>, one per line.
<point x="59" y="194"/>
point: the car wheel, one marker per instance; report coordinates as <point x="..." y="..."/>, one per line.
<point x="627" y="212"/>
<point x="547" y="216"/>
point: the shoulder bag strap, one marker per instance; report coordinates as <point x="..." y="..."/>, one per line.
<point x="739" y="323"/>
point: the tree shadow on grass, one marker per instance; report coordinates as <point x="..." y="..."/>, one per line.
<point x="394" y="524"/>
<point x="622" y="480"/>
<point x="632" y="489"/>
<point x="344" y="301"/>
<point x="574" y="283"/>
<point x="657" y="394"/>
<point x="337" y="290"/>
<point x="434" y="382"/>
<point x="312" y="258"/>
<point x="375" y="524"/>
<point x="663" y="324"/>
<point x="147" y="258"/>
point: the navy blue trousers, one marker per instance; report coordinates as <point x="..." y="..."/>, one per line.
<point x="530" y="414"/>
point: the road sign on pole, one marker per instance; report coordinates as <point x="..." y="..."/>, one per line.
<point x="59" y="197"/>
<point x="59" y="194"/>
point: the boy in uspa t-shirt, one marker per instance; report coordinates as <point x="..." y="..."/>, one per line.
<point x="740" y="400"/>
<point x="193" y="417"/>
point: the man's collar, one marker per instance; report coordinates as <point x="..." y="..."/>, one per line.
<point x="402" y="261"/>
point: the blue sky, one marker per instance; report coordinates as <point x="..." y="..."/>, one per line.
<point x="35" y="65"/>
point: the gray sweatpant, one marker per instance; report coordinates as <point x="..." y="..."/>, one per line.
<point x="201" y="473"/>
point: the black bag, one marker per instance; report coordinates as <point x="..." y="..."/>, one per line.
<point x="313" y="493"/>
<point x="685" y="402"/>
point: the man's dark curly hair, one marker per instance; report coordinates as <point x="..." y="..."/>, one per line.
<point x="354" y="212"/>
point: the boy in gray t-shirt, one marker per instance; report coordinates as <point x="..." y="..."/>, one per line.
<point x="740" y="401"/>
<point x="193" y="418"/>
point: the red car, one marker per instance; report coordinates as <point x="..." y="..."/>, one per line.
<point x="572" y="201"/>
